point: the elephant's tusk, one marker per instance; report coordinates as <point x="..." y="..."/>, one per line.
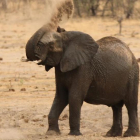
<point x="24" y="60"/>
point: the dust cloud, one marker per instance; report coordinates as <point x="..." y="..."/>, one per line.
<point x="58" y="12"/>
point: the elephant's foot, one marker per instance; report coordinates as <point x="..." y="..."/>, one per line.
<point x="53" y="132"/>
<point x="131" y="132"/>
<point x="76" y="133"/>
<point x="114" y="132"/>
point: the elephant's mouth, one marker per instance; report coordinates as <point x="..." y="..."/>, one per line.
<point x="38" y="50"/>
<point x="40" y="61"/>
<point x="48" y="61"/>
<point x="43" y="56"/>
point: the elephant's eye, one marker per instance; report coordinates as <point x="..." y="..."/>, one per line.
<point x="51" y="45"/>
<point x="40" y="44"/>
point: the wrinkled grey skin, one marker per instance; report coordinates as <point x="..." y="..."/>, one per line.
<point x="103" y="72"/>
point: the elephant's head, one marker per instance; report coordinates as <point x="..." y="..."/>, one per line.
<point x="63" y="9"/>
<point x="70" y="49"/>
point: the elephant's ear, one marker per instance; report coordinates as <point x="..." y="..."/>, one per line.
<point x="80" y="49"/>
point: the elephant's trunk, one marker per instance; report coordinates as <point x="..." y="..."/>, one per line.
<point x="64" y="7"/>
<point x="32" y="43"/>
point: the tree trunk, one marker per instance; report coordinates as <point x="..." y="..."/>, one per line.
<point x="94" y="8"/>
<point x="130" y="8"/>
<point x="93" y="11"/>
<point x="128" y="14"/>
<point x="112" y="8"/>
<point x="105" y="7"/>
<point x="4" y="4"/>
<point x="76" y="2"/>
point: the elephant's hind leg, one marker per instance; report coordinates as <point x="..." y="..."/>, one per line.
<point x="131" y="103"/>
<point x="133" y="127"/>
<point x="116" y="129"/>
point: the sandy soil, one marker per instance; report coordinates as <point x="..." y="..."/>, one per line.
<point x="27" y="91"/>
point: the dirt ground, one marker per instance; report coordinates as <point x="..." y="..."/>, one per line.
<point x="27" y="91"/>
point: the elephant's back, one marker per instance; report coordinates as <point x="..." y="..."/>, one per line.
<point x="109" y="40"/>
<point x="114" y="51"/>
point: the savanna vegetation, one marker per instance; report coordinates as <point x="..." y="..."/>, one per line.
<point x="83" y="8"/>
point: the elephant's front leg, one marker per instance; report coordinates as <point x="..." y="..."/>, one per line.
<point x="75" y="103"/>
<point x="59" y="103"/>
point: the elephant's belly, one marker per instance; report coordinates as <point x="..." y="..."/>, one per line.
<point x="97" y="100"/>
<point x="99" y="96"/>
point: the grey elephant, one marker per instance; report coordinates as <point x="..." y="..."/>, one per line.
<point x="102" y="72"/>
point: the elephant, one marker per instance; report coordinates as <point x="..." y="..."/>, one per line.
<point x="97" y="72"/>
